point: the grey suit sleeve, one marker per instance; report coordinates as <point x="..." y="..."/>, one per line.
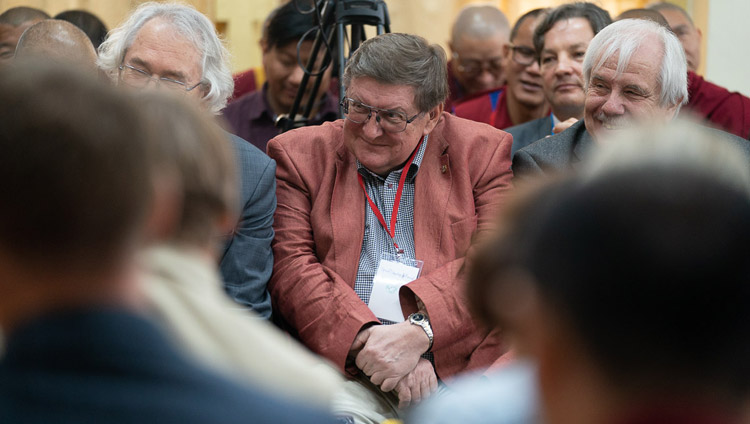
<point x="248" y="260"/>
<point x="524" y="166"/>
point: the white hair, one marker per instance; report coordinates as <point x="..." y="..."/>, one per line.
<point x="623" y="38"/>
<point x="189" y="23"/>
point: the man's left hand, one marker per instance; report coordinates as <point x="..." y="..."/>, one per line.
<point x="391" y="352"/>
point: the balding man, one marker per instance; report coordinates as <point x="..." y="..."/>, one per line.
<point x="476" y="44"/>
<point x="719" y="107"/>
<point x="522" y="99"/>
<point x="634" y="71"/>
<point x="60" y="41"/>
<point x="13" y="22"/>
<point x="683" y="27"/>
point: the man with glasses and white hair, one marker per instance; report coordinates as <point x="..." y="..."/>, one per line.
<point x="174" y="47"/>
<point x="634" y="72"/>
<point x="376" y="213"/>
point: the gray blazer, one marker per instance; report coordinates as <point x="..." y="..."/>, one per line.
<point x="247" y="261"/>
<point x="564" y="151"/>
<point x="529" y="132"/>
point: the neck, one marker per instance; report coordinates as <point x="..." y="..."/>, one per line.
<point x="563" y="114"/>
<point x="278" y="109"/>
<point x="520" y="112"/>
<point x="28" y="292"/>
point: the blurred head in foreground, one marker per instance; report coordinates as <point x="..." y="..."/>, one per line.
<point x="628" y="284"/>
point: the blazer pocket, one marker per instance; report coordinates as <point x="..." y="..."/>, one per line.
<point x="463" y="230"/>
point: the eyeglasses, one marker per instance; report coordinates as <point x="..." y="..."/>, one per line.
<point x="390" y="120"/>
<point x="138" y="78"/>
<point x="473" y="68"/>
<point x="523" y="55"/>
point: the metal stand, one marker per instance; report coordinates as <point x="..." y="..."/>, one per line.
<point x="345" y="20"/>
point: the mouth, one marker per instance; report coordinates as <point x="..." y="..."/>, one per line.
<point x="531" y="86"/>
<point x="613" y="123"/>
<point x="568" y="86"/>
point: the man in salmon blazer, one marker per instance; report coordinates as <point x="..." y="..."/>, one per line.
<point x="376" y="213"/>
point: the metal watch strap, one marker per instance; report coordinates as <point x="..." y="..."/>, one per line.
<point x="421" y="320"/>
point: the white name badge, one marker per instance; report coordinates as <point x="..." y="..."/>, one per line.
<point x="393" y="272"/>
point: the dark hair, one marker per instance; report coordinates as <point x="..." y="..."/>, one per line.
<point x="287" y="25"/>
<point x="649" y="268"/>
<point x="402" y="59"/>
<point x="598" y="19"/>
<point x="530" y="14"/>
<point x="88" y="23"/>
<point x="75" y="188"/>
<point x="16" y="16"/>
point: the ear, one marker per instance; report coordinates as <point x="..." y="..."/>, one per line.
<point x="433" y="117"/>
<point x="264" y="47"/>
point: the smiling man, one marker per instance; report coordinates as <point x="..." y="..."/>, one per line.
<point x="522" y="98"/>
<point x="174" y="48"/>
<point x="253" y="115"/>
<point x="634" y="71"/>
<point x="561" y="39"/>
<point x="376" y="213"/>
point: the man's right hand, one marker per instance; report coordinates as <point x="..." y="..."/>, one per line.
<point x="417" y="385"/>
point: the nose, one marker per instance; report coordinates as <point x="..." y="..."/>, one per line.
<point x="486" y="79"/>
<point x="564" y="65"/>
<point x="371" y="128"/>
<point x="613" y="105"/>
<point x="295" y="78"/>
<point x="533" y="69"/>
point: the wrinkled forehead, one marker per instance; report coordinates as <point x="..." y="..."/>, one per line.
<point x="638" y="56"/>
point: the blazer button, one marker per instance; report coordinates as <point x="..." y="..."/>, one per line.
<point x="444" y="169"/>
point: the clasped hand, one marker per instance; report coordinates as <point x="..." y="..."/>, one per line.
<point x="389" y="353"/>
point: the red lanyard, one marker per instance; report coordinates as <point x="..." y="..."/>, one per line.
<point x="394" y="215"/>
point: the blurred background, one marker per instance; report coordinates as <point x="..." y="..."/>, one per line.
<point x="723" y="23"/>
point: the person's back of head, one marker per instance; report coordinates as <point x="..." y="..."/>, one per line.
<point x="638" y="276"/>
<point x="17" y="16"/>
<point x="649" y="14"/>
<point x="13" y="22"/>
<point x="88" y="23"/>
<point x="79" y="186"/>
<point x="190" y="147"/>
<point x="59" y="41"/>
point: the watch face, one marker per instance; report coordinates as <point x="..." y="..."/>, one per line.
<point x="417" y="317"/>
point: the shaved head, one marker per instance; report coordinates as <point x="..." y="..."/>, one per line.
<point x="19" y="15"/>
<point x="59" y="40"/>
<point x="13" y="22"/>
<point x="649" y="14"/>
<point x="480" y="22"/>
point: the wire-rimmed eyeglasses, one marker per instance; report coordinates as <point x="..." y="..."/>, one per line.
<point x="390" y="120"/>
<point x="139" y="78"/>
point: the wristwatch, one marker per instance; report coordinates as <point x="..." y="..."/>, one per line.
<point x="420" y="319"/>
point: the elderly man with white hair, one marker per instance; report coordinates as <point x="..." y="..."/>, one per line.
<point x="175" y="48"/>
<point x="634" y="72"/>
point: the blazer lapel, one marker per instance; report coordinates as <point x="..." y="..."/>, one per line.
<point x="432" y="191"/>
<point x="347" y="216"/>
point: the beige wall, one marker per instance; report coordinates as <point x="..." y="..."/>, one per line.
<point x="240" y="20"/>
